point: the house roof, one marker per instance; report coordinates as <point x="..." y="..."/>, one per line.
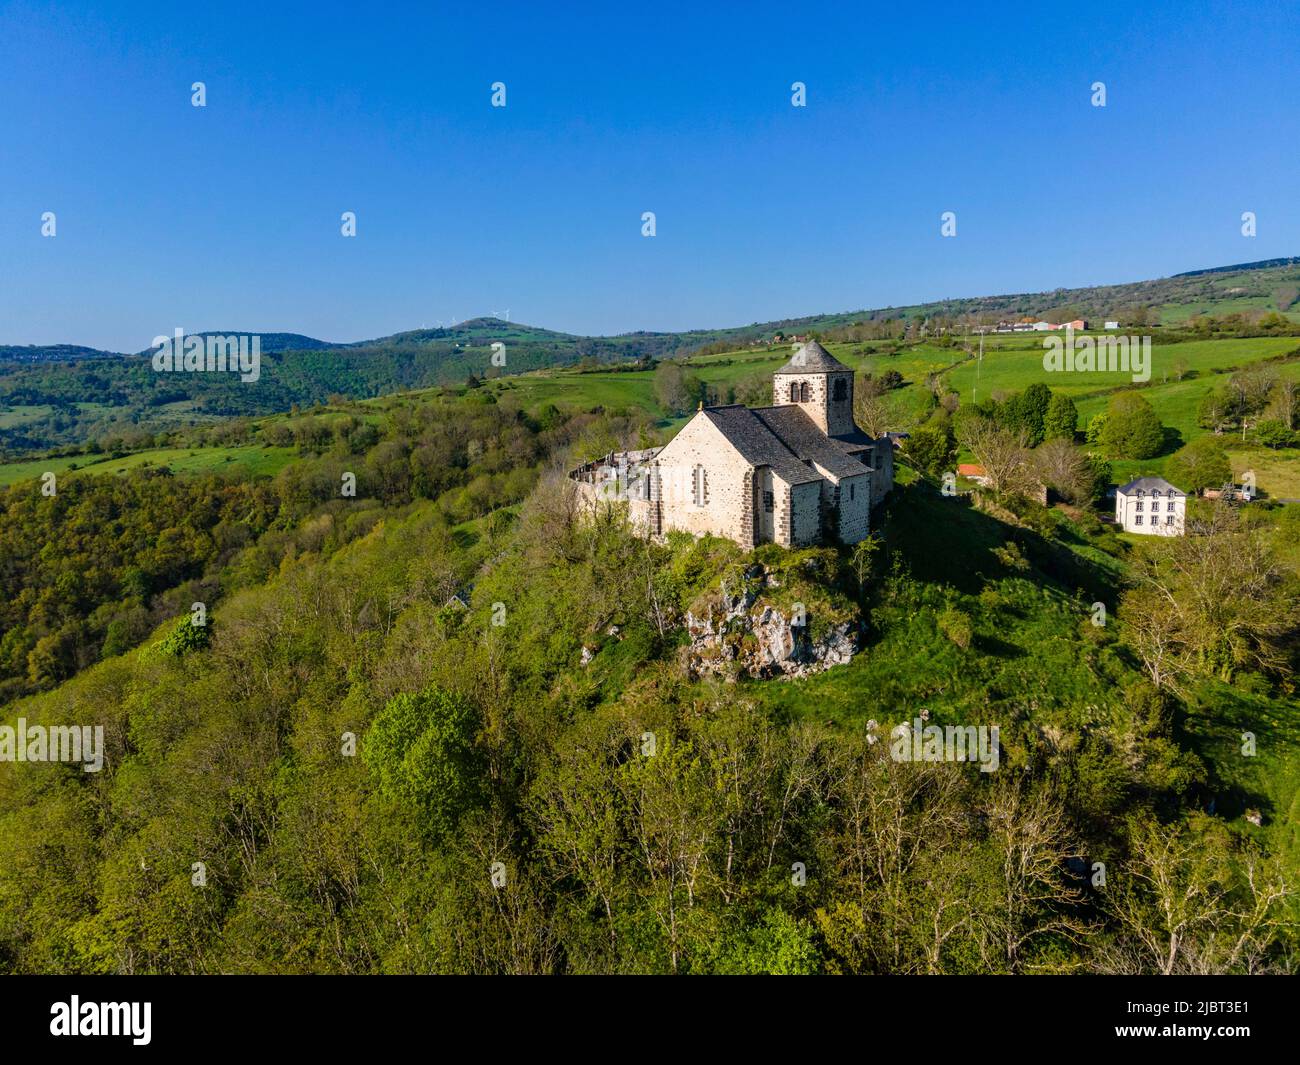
<point x="1147" y="484"/>
<point x="812" y="358"/>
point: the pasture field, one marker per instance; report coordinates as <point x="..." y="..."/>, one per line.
<point x="1177" y="404"/>
<point x="1276" y="472"/>
<point x="251" y="458"/>
<point x="13" y="472"/>
<point x="610" y="390"/>
<point x="1179" y="313"/>
<point x="1011" y="363"/>
<point x="636" y="388"/>
<point x="18" y="415"/>
<point x="1013" y="369"/>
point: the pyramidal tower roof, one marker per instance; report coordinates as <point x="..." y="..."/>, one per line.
<point x="812" y="358"/>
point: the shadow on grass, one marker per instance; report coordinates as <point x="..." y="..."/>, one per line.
<point x="1213" y="727"/>
<point x="943" y="539"/>
<point x="1172" y="441"/>
<point x="992" y="645"/>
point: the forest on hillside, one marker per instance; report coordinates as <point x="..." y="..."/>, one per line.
<point x="347" y="769"/>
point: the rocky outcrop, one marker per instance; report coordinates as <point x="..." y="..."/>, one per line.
<point x="748" y="633"/>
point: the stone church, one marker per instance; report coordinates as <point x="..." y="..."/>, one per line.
<point x="796" y="473"/>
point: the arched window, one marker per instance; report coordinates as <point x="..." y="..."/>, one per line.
<point x="794" y="391"/>
<point x="803" y="392"/>
<point x="841" y="389"/>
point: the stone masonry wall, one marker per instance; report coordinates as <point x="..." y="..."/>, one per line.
<point x="806" y="514"/>
<point x="882" y="461"/>
<point x="728" y="509"/>
<point x="855" y="512"/>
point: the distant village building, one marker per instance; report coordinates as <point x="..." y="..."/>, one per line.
<point x="1112" y="325"/>
<point x="1029" y="325"/>
<point x="798" y="473"/>
<point x="1152" y="506"/>
<point x="1021" y="325"/>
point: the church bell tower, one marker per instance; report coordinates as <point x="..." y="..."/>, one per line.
<point x="820" y="385"/>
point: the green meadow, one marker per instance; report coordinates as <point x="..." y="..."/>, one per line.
<point x="250" y="459"/>
<point x="1015" y="367"/>
<point x="1177" y="405"/>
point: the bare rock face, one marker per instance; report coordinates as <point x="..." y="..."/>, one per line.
<point x="743" y="634"/>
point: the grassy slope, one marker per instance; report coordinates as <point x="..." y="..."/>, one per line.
<point x="251" y="459"/>
<point x="1177" y="404"/>
<point x="1014" y="366"/>
<point x="1010" y="363"/>
<point x="1027" y="633"/>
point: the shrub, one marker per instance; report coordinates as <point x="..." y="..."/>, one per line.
<point x="956" y="625"/>
<point x="422" y="749"/>
<point x="186" y="637"/>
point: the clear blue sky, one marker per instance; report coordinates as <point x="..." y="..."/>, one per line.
<point x="227" y="217"/>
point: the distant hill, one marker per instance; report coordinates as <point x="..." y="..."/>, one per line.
<point x="1271" y="284"/>
<point x="1263" y="264"/>
<point x="52" y="353"/>
<point x="65" y="393"/>
<point x="270" y="342"/>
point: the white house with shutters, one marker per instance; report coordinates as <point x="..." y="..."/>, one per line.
<point x="1151" y="506"/>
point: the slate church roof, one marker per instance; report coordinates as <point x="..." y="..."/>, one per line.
<point x="758" y="444"/>
<point x="798" y="432"/>
<point x="813" y="358"/>
<point x="787" y="440"/>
